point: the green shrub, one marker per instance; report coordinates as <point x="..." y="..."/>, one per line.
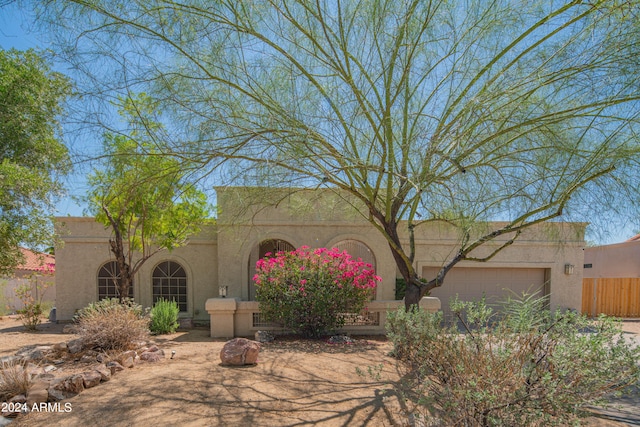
<point x="32" y="307"/>
<point x="311" y="291"/>
<point x="164" y="317"/>
<point x="111" y="325"/>
<point x="526" y="366"/>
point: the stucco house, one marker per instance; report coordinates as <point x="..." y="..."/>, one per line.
<point x="253" y="221"/>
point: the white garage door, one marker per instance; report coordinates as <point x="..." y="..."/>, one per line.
<point x="472" y="283"/>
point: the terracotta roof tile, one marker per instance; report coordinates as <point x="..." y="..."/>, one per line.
<point x="35" y="261"/>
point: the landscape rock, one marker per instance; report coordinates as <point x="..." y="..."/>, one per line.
<point x="151" y="356"/>
<point x="340" y="339"/>
<point x="38" y="393"/>
<point x="75" y="346"/>
<point x="126" y="355"/>
<point x="70" y="385"/>
<point x="114" y="367"/>
<point x="33" y="353"/>
<point x="264" y="336"/>
<point x="34" y="370"/>
<point x="105" y="373"/>
<point x="60" y="347"/>
<point x="128" y="362"/>
<point x="91" y="378"/>
<point x="240" y="351"/>
<point x="88" y="358"/>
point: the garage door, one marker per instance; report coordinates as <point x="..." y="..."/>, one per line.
<point x="472" y="283"/>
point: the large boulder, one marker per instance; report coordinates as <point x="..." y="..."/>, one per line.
<point x="240" y="351"/>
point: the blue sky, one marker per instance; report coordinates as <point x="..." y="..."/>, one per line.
<point x="14" y="34"/>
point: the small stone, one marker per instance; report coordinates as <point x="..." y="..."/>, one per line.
<point x="114" y="367"/>
<point x="91" y="378"/>
<point x="126" y="355"/>
<point x="128" y="362"/>
<point x="264" y="336"/>
<point x="240" y="351"/>
<point x="37" y="396"/>
<point x="105" y="373"/>
<point x="75" y="346"/>
<point x="88" y="358"/>
<point x="153" y="348"/>
<point x="49" y="368"/>
<point x="151" y="356"/>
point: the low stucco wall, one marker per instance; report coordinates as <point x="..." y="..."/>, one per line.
<point x="619" y="260"/>
<point x="231" y="317"/>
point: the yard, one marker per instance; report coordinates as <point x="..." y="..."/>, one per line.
<point x="296" y="382"/>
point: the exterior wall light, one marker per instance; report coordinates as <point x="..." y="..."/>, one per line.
<point x="222" y="291"/>
<point x="568" y="269"/>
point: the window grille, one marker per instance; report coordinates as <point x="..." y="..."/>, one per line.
<point x="109" y="280"/>
<point x="169" y="281"/>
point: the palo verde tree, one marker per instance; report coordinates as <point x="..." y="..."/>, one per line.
<point x="423" y="110"/>
<point x="142" y="196"/>
<point x="32" y="156"/>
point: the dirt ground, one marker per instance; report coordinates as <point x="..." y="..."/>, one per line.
<point x="295" y="383"/>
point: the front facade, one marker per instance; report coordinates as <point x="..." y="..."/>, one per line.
<point x="253" y="221"/>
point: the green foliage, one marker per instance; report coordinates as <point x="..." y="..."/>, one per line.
<point x="32" y="158"/>
<point x="143" y="196"/>
<point x="401" y="287"/>
<point x="112" y="325"/>
<point x="526" y="366"/>
<point x="164" y="317"/>
<point x="310" y="291"/>
<point x="453" y="112"/>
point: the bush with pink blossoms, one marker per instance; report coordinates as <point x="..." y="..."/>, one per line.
<point x="310" y="290"/>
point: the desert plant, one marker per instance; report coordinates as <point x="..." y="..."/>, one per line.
<point x="526" y="366"/>
<point x="164" y="317"/>
<point x="14" y="380"/>
<point x="111" y="325"/>
<point x="32" y="307"/>
<point x="310" y="291"/>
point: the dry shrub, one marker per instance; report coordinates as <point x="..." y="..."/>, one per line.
<point x="527" y="367"/>
<point x="112" y="325"/>
<point x="14" y="380"/>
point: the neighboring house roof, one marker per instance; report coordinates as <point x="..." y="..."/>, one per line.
<point x="36" y="261"/>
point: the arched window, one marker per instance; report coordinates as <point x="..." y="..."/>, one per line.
<point x="170" y="282"/>
<point x="272" y="246"/>
<point x="108" y="281"/>
<point x="357" y="249"/>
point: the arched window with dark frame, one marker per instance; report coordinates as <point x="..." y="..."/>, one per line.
<point x="109" y="280"/>
<point x="169" y="281"/>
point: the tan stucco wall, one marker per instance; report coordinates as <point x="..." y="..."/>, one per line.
<point x="85" y="249"/>
<point x="220" y="255"/>
<point x="617" y="260"/>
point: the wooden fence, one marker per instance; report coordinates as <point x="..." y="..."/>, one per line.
<point x="618" y="297"/>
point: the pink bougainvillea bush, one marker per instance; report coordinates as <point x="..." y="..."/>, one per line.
<point x="310" y="290"/>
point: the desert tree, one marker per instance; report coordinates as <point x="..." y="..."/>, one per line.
<point x="32" y="155"/>
<point x="422" y="110"/>
<point x="142" y="196"/>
